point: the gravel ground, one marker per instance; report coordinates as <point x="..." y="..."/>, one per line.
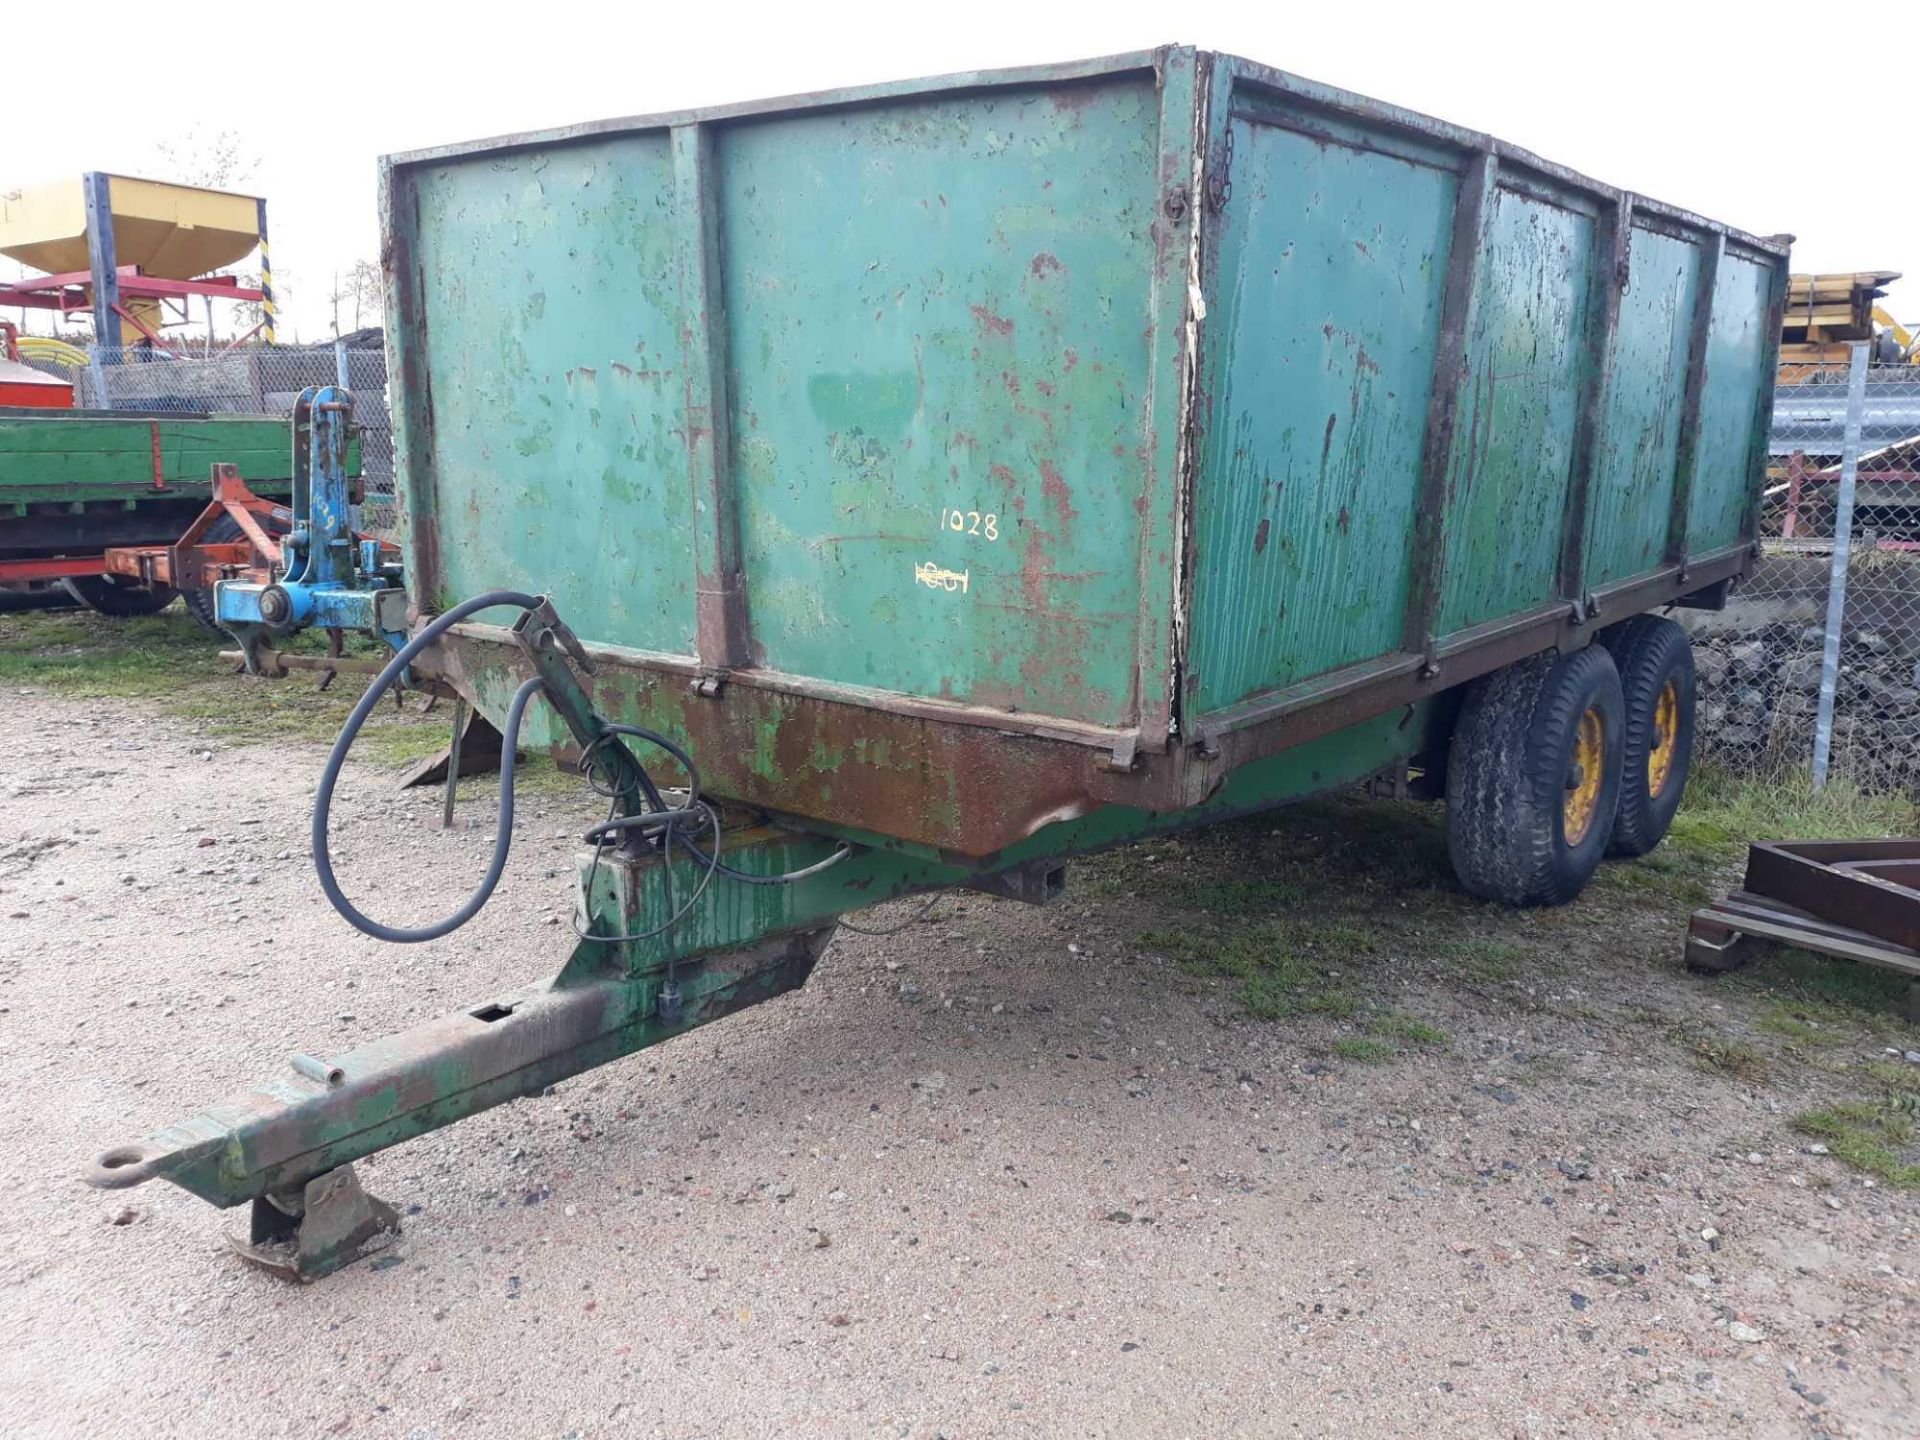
<point x="1001" y="1174"/>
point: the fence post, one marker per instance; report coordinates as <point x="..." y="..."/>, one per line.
<point x="342" y="376"/>
<point x="1837" y="569"/>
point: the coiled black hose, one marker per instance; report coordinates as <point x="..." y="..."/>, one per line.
<point x="330" y="775"/>
<point x="661" y="823"/>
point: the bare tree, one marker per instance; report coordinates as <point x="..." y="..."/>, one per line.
<point x="359" y="293"/>
<point x="369" y="293"/>
<point x="217" y="159"/>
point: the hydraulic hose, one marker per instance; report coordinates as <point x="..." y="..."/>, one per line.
<point x="330" y="775"/>
<point x="661" y="823"/>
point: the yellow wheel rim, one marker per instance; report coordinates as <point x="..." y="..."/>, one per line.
<point x="1583" y="778"/>
<point x="1666" y="727"/>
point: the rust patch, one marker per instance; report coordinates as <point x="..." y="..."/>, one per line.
<point x="1345" y="520"/>
<point x="1003" y="474"/>
<point x="1054" y="486"/>
<point x="998" y="324"/>
<point x="1044" y="265"/>
<point x="1035" y="568"/>
<point x="1260" y="534"/>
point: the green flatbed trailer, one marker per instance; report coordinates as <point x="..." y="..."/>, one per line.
<point x="74" y="483"/>
<point x="975" y="472"/>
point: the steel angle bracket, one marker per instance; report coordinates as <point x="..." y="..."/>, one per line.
<point x="1854" y="900"/>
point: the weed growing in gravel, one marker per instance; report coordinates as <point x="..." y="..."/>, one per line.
<point x="1901" y="1077"/>
<point x="1824" y="992"/>
<point x="1363" y="1050"/>
<point x="1393" y="1025"/>
<point x="1865" y="1134"/>
<point x="1273" y="961"/>
<point x="1481" y="958"/>
<point x="1798" y="1023"/>
<point x="1730" y="1057"/>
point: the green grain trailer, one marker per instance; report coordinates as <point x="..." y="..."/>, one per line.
<point x="74" y="483"/>
<point x="975" y="472"/>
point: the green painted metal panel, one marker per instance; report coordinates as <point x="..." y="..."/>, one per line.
<point x="558" y="447"/>
<point x="1322" y="338"/>
<point x="1739" y="358"/>
<point x="1633" y="480"/>
<point x="90" y="459"/>
<point x="1099" y="399"/>
<point x="1513" y="449"/>
<point x="940" y="376"/>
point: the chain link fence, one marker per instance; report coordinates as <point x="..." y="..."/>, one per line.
<point x="1814" y="666"/>
<point x="260" y="380"/>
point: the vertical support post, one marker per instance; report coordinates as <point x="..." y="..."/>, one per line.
<point x="103" y="260"/>
<point x="1760" y="456"/>
<point x="342" y="376"/>
<point x="1429" y="563"/>
<point x="720" y="591"/>
<point x="1612" y="256"/>
<point x="453" y="761"/>
<point x="1837" y="568"/>
<point x="1679" y="513"/>
<point x="268" y="314"/>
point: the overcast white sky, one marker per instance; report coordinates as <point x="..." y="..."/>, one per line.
<point x="1799" y="127"/>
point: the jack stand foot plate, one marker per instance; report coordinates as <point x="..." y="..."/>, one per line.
<point x="479" y="753"/>
<point x="313" y="1232"/>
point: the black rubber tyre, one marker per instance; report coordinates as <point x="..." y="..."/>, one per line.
<point x="1512" y="777"/>
<point x="1655" y="661"/>
<point x="111" y="595"/>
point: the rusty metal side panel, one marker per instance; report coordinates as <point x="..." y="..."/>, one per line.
<point x="1634" y="476"/>
<point x="545" y="378"/>
<point x="1320" y="347"/>
<point x="939" y="318"/>
<point x="1511" y="465"/>
<point x="1739" y="350"/>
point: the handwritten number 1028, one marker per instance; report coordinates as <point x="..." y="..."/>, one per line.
<point x="971" y="522"/>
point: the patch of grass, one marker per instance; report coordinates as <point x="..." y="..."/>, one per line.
<point x="1722" y="813"/>
<point x="171" y="661"/>
<point x="1798" y="1024"/>
<point x="1391" y="1024"/>
<point x="1363" y="1050"/>
<point x="1731" y="1057"/>
<point x="1839" y="993"/>
<point x="1866" y="1136"/>
<point x="1670" y="877"/>
<point x="1273" y="961"/>
<point x="1484" y="958"/>
<point x="1901" y="1077"/>
<point x="1235" y="897"/>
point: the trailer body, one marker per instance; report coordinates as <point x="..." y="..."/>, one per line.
<point x="953" y="458"/>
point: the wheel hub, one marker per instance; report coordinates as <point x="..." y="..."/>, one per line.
<point x="1666" y="727"/>
<point x="1584" y="771"/>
